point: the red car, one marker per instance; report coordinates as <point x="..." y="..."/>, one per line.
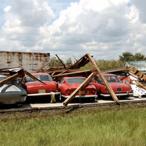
<point x="69" y="84"/>
<point x="36" y="88"/>
<point x="120" y="88"/>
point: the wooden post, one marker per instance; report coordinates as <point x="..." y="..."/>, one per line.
<point x="83" y="85"/>
<point x="104" y="80"/>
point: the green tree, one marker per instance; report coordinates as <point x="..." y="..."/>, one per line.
<point x="139" y="56"/>
<point x="126" y="56"/>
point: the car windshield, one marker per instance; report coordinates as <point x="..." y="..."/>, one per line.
<point x="75" y="80"/>
<point x="40" y="77"/>
<point x="45" y="78"/>
<point x="110" y="79"/>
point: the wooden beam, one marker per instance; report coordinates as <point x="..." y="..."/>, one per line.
<point x="10" y="78"/>
<point x="83" y="85"/>
<point x="140" y="85"/>
<point x="33" y="77"/>
<point x="115" y="98"/>
<point x="74" y="73"/>
<point x="61" y="61"/>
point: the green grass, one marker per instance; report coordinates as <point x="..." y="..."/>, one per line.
<point x="96" y="128"/>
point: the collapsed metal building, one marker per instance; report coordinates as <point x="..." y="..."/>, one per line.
<point x="31" y="61"/>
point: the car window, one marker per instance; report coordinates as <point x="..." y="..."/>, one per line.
<point x="45" y="78"/>
<point x="40" y="77"/>
<point x="28" y="79"/>
<point x="110" y="79"/>
<point x="75" y="80"/>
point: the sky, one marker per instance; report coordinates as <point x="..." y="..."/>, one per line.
<point x="71" y="28"/>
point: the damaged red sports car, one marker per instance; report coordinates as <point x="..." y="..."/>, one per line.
<point x="121" y="89"/>
<point x="70" y="84"/>
<point x="47" y="87"/>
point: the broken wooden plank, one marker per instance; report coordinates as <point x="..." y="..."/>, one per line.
<point x="83" y="85"/>
<point x="115" y="98"/>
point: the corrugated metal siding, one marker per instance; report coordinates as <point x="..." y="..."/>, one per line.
<point x="29" y="60"/>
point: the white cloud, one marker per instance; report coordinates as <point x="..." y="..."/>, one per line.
<point x="88" y="22"/>
<point x="105" y="28"/>
<point x="141" y="6"/>
<point x="23" y="19"/>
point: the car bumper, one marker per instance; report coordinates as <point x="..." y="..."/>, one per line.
<point x="119" y="94"/>
<point x="44" y="97"/>
<point x="12" y="98"/>
<point x="44" y="94"/>
<point x="78" y="96"/>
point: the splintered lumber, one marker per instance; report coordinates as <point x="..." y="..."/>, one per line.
<point x="83" y="85"/>
<point x="140" y="85"/>
<point x="115" y="98"/>
<point x="10" y="78"/>
<point x="138" y="73"/>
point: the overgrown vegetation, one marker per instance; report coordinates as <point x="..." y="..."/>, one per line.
<point x="104" y="64"/>
<point x="96" y="128"/>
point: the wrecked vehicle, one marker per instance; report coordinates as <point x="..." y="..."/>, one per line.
<point x="11" y="93"/>
<point x="120" y="89"/>
<point x="69" y="84"/>
<point x="47" y="87"/>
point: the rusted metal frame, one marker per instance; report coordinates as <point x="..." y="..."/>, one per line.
<point x="61" y="61"/>
<point x="72" y="73"/>
<point x="82" y="86"/>
<point x="61" y="73"/>
<point x="80" y="63"/>
<point x="113" y="95"/>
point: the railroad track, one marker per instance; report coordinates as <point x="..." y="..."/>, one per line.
<point x="59" y="107"/>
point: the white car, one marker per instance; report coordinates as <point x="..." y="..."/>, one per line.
<point x="11" y="93"/>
